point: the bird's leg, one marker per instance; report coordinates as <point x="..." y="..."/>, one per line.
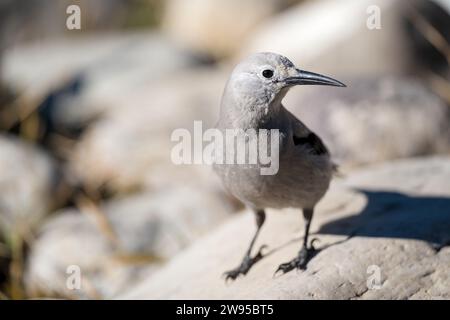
<point x="248" y="260"/>
<point x="306" y="253"/>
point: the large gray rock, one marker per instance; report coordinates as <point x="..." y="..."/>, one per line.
<point x="332" y="37"/>
<point x="378" y="231"/>
<point x="375" y="119"/>
<point x="119" y="243"/>
<point x="27" y="185"/>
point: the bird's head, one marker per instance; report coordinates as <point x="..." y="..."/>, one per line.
<point x="264" y="78"/>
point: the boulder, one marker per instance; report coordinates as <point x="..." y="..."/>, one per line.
<point x="27" y="183"/>
<point x="381" y="234"/>
<point x="118" y="243"/>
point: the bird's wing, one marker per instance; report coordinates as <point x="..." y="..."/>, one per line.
<point x="303" y="136"/>
<point x="313" y="142"/>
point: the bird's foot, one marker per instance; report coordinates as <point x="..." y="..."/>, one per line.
<point x="245" y="265"/>
<point x="300" y="262"/>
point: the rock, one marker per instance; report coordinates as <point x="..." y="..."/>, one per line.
<point x="27" y="183"/>
<point x="105" y="65"/>
<point x="375" y="119"/>
<point x="219" y="27"/>
<point x="378" y="231"/>
<point x="332" y="37"/>
<point x="119" y="243"/>
<point x="131" y="147"/>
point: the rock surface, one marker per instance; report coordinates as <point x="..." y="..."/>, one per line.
<point x="117" y="244"/>
<point x="27" y="182"/>
<point x="378" y="230"/>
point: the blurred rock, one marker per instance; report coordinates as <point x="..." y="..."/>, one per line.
<point x="131" y="147"/>
<point x="120" y="243"/>
<point x="332" y="37"/>
<point x="127" y="150"/>
<point x="375" y="119"/>
<point x="396" y="213"/>
<point x="216" y="28"/>
<point x="27" y="185"/>
<point x="105" y="65"/>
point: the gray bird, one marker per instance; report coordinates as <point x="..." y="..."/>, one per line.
<point x="252" y="100"/>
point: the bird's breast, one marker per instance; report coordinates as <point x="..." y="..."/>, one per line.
<point x="299" y="178"/>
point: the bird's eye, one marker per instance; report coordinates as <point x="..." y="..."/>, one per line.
<point x="267" y="73"/>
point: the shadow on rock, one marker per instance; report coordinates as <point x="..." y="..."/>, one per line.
<point x="396" y="215"/>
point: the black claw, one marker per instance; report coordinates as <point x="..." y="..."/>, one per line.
<point x="259" y="255"/>
<point x="311" y="244"/>
<point x="284" y="268"/>
<point x="245" y="266"/>
<point x="300" y="262"/>
<point x="231" y="275"/>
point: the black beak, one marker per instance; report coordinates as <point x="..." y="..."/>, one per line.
<point x="311" y="78"/>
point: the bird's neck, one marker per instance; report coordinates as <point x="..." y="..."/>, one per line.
<point x="254" y="117"/>
<point x="251" y="113"/>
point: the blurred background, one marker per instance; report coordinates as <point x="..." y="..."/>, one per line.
<point x="86" y="116"/>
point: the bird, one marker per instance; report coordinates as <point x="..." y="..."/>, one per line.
<point x="252" y="99"/>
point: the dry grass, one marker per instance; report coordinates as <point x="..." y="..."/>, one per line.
<point x="98" y="216"/>
<point x="439" y="84"/>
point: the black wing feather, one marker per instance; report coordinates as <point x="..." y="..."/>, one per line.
<point x="313" y="142"/>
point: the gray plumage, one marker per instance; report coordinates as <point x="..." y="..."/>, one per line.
<point x="251" y="100"/>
